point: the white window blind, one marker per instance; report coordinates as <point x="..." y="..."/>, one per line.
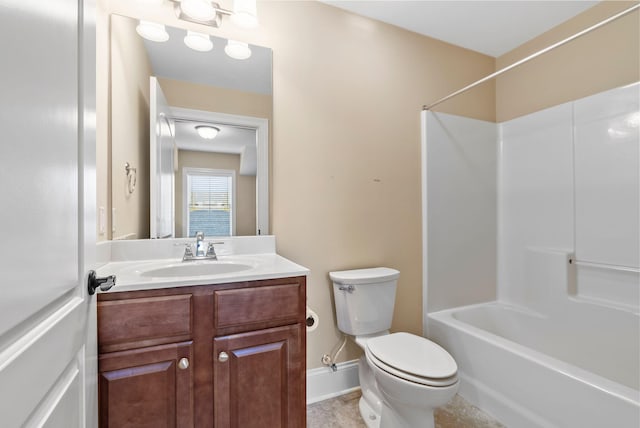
<point x="210" y="202"/>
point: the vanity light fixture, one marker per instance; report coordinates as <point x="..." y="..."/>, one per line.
<point x="198" y="41"/>
<point x="237" y="50"/>
<point x="152" y="31"/>
<point x="208" y="12"/>
<point x="207" y="132"/>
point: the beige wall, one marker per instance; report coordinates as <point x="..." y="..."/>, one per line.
<point x="103" y="145"/>
<point x="211" y="98"/>
<point x="245" y="187"/>
<point x="346" y="143"/>
<point x="603" y="59"/>
<point x="130" y="72"/>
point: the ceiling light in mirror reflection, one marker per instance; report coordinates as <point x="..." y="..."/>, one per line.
<point x="207" y="132"/>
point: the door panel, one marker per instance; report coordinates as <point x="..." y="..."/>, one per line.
<point x="62" y="401"/>
<point x="260" y="384"/>
<point x="146" y="387"/>
<point x="27" y="378"/>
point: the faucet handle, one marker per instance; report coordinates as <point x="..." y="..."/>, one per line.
<point x="211" y="251"/>
<point x="188" y="252"/>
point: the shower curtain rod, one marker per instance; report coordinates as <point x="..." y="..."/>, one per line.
<point x="532" y="56"/>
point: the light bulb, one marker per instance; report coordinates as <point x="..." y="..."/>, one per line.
<point x="152" y="31"/>
<point x="198" y="41"/>
<point x="237" y="50"/>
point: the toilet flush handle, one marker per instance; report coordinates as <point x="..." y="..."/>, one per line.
<point x="347" y="288"/>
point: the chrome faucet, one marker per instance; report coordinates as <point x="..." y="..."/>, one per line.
<point x="200" y="244"/>
<point x="201" y="253"/>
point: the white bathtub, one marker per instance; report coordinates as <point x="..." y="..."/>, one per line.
<point x="579" y="368"/>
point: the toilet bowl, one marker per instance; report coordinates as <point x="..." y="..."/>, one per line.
<point x="413" y="375"/>
<point x="403" y="377"/>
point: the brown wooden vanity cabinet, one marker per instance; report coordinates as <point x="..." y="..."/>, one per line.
<point x="224" y="355"/>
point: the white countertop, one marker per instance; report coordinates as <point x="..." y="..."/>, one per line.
<point x="134" y="263"/>
<point x="130" y="274"/>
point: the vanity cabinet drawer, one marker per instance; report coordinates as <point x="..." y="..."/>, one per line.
<point x="258" y="306"/>
<point x="129" y="323"/>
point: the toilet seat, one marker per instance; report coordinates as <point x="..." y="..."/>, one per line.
<point x="412" y="358"/>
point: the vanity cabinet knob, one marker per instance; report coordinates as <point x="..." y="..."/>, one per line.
<point x="183" y="364"/>
<point x="223" y="357"/>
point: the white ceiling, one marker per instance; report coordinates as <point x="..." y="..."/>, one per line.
<point x="490" y="27"/>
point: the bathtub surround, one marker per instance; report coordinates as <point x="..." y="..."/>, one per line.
<point x="460" y="186"/>
<point x="569" y="181"/>
<point x="566" y="312"/>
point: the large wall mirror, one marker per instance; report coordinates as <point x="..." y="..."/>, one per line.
<point x="189" y="134"/>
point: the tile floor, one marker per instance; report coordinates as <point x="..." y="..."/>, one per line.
<point x="342" y="412"/>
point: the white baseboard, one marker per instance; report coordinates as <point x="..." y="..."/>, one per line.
<point x="323" y="383"/>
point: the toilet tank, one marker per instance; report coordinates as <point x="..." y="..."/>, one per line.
<point x="364" y="299"/>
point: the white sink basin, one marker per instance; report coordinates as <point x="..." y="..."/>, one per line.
<point x="195" y="269"/>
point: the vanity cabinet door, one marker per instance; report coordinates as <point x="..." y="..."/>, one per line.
<point x="147" y="387"/>
<point x="259" y="379"/>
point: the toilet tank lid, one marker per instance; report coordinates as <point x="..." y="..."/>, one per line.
<point x="364" y="276"/>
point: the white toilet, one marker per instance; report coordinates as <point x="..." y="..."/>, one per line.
<point x="403" y="377"/>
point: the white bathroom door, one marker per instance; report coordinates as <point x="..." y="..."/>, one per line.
<point x="162" y="164"/>
<point x="48" y="364"/>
